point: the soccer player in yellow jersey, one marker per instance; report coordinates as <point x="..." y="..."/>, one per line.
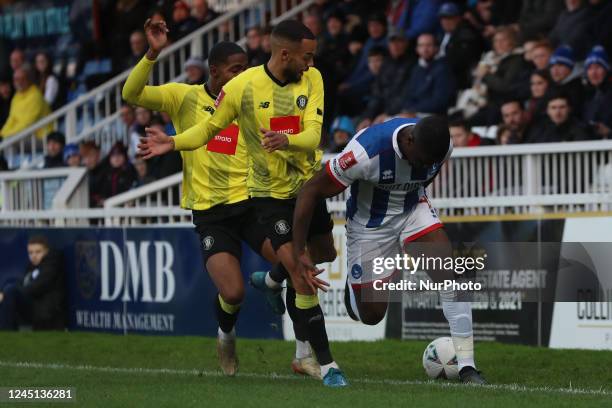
<point x="279" y="109"/>
<point x="214" y="182"/>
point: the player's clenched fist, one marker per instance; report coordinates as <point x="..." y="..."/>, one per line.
<point x="156" y="143"/>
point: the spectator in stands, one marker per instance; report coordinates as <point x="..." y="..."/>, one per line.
<point x="600" y="25"/>
<point x="538" y="17"/>
<point x="462" y="135"/>
<point x="6" y="94"/>
<point x="385" y="100"/>
<point x="431" y="86"/>
<point x="597" y="111"/>
<point x="334" y="44"/>
<point x="342" y="130"/>
<point x="566" y="77"/>
<point x="72" y="158"/>
<point x="540" y="56"/>
<point x="39" y="299"/>
<point x="559" y="125"/>
<point x="126" y="17"/>
<point x="143" y="120"/>
<point x="128" y="119"/>
<point x="202" y="13"/>
<point x="142" y="176"/>
<point x="119" y="176"/>
<point x="55" y="150"/>
<point x="27" y="106"/>
<point x="352" y="93"/>
<point x="481" y="18"/>
<point x="461" y="44"/>
<point x="138" y="48"/>
<point x="571" y="28"/>
<point x="415" y="17"/>
<point x="182" y="23"/>
<point x="17" y="60"/>
<point x="313" y="22"/>
<point x="515" y="121"/>
<point x="503" y="135"/>
<point x="255" y="53"/>
<point x="499" y="71"/>
<point x="166" y="165"/>
<point x="535" y="106"/>
<point x="90" y="157"/>
<point x="195" y="68"/>
<point x="45" y="79"/>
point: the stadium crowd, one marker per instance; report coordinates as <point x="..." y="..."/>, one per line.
<point x="535" y="71"/>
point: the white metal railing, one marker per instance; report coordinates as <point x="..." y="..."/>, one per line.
<point x="82" y="118"/>
<point x="40" y="191"/>
<point x="493" y="180"/>
<point x="512" y="179"/>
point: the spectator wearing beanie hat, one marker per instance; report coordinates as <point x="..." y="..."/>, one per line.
<point x="565" y="76"/>
<point x="119" y="176"/>
<point x="55" y="150"/>
<point x="597" y="111"/>
<point x="72" y="158"/>
<point x="342" y="130"/>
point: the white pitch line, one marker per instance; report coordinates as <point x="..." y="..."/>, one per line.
<point x="274" y="376"/>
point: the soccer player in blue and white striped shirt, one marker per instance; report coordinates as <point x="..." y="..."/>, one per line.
<point x="388" y="166"/>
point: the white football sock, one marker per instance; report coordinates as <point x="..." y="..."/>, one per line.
<point x="459" y="317"/>
<point x="464" y="349"/>
<point x="227" y="336"/>
<point x="325" y="368"/>
<point x="302" y="349"/>
<point x="271" y="283"/>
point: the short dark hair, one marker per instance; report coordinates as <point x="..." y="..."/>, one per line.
<point x="293" y="31"/>
<point x="511" y="100"/>
<point x="558" y="94"/>
<point x="377" y="50"/>
<point x="459" y="122"/>
<point x="220" y="53"/>
<point x="431" y="134"/>
<point x="39" y="239"/>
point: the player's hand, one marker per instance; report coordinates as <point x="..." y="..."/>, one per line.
<point x="156" y="143"/>
<point x="309" y="272"/>
<point x="274" y="140"/>
<point x="157" y="36"/>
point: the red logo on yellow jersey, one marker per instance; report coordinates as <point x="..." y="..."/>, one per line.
<point x="226" y="141"/>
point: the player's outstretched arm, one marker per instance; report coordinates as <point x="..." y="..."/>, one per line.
<point x="320" y="187"/>
<point x="135" y="89"/>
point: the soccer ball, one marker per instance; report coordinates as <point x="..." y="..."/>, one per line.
<point x="439" y="359"/>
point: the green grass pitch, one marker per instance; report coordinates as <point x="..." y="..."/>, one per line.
<point x="133" y="371"/>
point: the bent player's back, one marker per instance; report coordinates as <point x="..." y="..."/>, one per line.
<point x="383" y="183"/>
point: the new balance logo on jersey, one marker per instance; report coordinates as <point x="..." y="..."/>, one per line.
<point x="347" y="160"/>
<point x="209" y="109"/>
<point x="387" y="175"/>
<point x="264" y="105"/>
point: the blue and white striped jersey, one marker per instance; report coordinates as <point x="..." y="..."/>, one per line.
<point x="383" y="184"/>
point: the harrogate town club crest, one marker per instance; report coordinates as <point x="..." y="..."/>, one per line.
<point x="208" y="242"/>
<point x="301" y="101"/>
<point x="282" y="227"/>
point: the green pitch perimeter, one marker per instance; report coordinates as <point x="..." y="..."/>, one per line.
<point x="130" y="371"/>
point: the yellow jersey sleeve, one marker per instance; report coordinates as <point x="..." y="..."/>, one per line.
<point x="310" y="138"/>
<point x="227" y="107"/>
<point x="165" y="98"/>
